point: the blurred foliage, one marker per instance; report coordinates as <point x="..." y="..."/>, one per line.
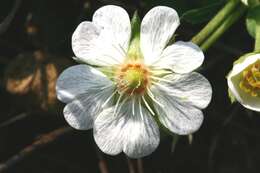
<point x="181" y="6"/>
<point x="253" y="20"/>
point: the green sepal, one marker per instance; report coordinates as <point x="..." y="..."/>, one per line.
<point x="231" y="96"/>
<point x="135" y="26"/>
<point x="253" y="20"/>
<point x="134" y="50"/>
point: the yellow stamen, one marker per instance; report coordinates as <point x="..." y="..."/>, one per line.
<point x="133" y="78"/>
<point x="250" y="82"/>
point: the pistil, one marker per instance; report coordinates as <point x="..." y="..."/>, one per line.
<point x="133" y="78"/>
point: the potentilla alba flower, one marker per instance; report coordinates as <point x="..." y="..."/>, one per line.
<point x="133" y="83"/>
<point x="244" y="81"/>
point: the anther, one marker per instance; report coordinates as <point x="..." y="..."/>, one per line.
<point x="250" y="82"/>
<point x="134" y="77"/>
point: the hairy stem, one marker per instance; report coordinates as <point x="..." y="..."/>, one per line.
<point x="215" y="22"/>
<point x="229" y="21"/>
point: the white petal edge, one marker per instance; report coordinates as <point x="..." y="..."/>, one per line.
<point x="245" y="2"/>
<point x="93" y="45"/>
<point x="181" y="57"/>
<point x="251" y="103"/>
<point x="80" y="79"/>
<point x="178" y="116"/>
<point x="115" y="20"/>
<point x="81" y="112"/>
<point x="192" y="88"/>
<point x="157" y="28"/>
<point x="136" y="135"/>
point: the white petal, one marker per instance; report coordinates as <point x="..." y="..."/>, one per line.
<point x="239" y="67"/>
<point x="181" y="57"/>
<point x="191" y="88"/>
<point x="81" y="112"/>
<point x="94" y="45"/>
<point x="115" y="20"/>
<point x="137" y="135"/>
<point x="78" y="80"/>
<point x="176" y="109"/>
<point x="245" y="2"/>
<point x="179" y="117"/>
<point x="157" y="28"/>
<point x="246" y="100"/>
<point x="234" y="79"/>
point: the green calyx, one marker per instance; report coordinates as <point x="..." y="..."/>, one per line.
<point x="134" y="50"/>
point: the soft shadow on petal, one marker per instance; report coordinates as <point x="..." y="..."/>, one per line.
<point x="192" y="88"/>
<point x="181" y="57"/>
<point x="241" y="96"/>
<point x="180" y="102"/>
<point x="179" y="117"/>
<point x="80" y="79"/>
<point x="157" y="28"/>
<point x="81" y="112"/>
<point x="132" y="131"/>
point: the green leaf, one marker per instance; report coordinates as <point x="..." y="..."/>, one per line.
<point x="231" y="96"/>
<point x="203" y="14"/>
<point x="252" y="19"/>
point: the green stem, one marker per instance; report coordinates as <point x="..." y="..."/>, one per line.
<point x="215" y="22"/>
<point x="257" y="37"/>
<point x="230" y="20"/>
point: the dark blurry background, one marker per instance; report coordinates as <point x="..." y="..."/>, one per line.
<point x="35" y="46"/>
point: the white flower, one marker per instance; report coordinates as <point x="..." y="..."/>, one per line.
<point x="121" y="106"/>
<point x="244" y="81"/>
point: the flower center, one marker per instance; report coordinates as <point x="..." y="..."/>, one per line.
<point x="133" y="78"/>
<point x="251" y="79"/>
